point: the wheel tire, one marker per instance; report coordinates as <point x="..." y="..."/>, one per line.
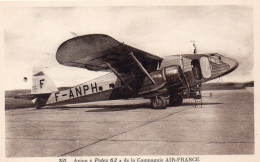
<point x="39" y="103"/>
<point x="160" y="104"/>
<point x="38" y="106"/>
<point x="175" y="100"/>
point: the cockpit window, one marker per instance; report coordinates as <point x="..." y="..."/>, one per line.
<point x="216" y="58"/>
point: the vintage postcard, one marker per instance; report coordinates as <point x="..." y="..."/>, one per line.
<point x="129" y="81"/>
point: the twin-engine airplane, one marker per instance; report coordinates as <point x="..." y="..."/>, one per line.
<point x="133" y="73"/>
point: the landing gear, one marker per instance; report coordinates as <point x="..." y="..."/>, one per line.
<point x="158" y="102"/>
<point x="38" y="106"/>
<point x="175" y="100"/>
<point x="39" y="103"/>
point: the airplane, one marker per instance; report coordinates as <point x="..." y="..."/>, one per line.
<point x="133" y="73"/>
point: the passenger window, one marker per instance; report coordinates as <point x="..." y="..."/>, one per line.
<point x="111" y="85"/>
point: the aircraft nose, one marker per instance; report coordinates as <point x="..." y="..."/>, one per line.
<point x="231" y="62"/>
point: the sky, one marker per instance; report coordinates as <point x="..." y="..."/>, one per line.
<point x="32" y="36"/>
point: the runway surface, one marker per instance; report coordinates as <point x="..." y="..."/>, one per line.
<point x="224" y="125"/>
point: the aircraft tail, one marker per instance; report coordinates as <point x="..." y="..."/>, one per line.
<point x="41" y="83"/>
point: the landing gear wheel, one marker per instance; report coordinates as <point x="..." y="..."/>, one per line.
<point x="39" y="103"/>
<point x="38" y="106"/>
<point x="159" y="102"/>
<point x="175" y="100"/>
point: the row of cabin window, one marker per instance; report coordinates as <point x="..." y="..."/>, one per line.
<point x="111" y="86"/>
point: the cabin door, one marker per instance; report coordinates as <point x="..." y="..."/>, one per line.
<point x="205" y="67"/>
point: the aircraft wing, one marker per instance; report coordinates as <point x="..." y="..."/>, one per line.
<point x="96" y="51"/>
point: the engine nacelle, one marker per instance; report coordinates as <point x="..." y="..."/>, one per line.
<point x="173" y="75"/>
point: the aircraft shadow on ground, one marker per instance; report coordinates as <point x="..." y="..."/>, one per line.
<point x="203" y="103"/>
<point x="104" y="108"/>
<point x="109" y="108"/>
<point x="126" y="107"/>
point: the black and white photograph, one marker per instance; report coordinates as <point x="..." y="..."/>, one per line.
<point x="138" y="80"/>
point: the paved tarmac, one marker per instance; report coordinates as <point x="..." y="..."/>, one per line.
<point x="224" y="125"/>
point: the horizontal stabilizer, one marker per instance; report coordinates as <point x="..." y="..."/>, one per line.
<point x="32" y="96"/>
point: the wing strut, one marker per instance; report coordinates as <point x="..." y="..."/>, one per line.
<point x="141" y="67"/>
<point x="118" y="75"/>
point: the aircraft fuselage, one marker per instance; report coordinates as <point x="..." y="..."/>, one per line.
<point x="193" y="68"/>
